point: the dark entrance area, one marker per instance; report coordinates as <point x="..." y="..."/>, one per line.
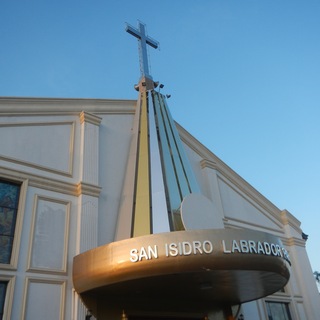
<point x="162" y="318"/>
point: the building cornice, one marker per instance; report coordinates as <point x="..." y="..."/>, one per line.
<point x="90" y="118"/>
<point x="62" y="106"/>
<point x="288" y="219"/>
<point x="88" y="189"/>
<point x="290" y="242"/>
<point x="73" y="189"/>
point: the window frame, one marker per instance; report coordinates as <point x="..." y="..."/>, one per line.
<point x="8" y="299"/>
<point x="287" y="305"/>
<point x="3" y="282"/>
<point x="13" y="263"/>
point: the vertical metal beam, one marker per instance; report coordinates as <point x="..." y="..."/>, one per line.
<point x="142" y="214"/>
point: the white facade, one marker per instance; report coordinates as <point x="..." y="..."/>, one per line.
<point x="70" y="156"/>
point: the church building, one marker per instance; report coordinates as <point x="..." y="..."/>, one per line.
<point x="111" y="210"/>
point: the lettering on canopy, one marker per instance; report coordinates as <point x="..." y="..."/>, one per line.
<point x="206" y="247"/>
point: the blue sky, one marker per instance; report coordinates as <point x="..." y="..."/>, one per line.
<point x="244" y="77"/>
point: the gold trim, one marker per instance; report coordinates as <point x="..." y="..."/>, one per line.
<point x="142" y="223"/>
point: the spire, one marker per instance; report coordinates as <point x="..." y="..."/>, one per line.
<point x="143" y="41"/>
<point x="159" y="177"/>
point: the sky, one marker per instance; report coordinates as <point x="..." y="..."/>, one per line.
<point x="244" y="78"/>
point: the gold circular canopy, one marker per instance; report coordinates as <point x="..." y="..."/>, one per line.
<point x="203" y="267"/>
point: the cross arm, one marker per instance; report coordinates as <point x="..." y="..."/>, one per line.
<point x="152" y="43"/>
<point x="133" y="31"/>
<point x="138" y="34"/>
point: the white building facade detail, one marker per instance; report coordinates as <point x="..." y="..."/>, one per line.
<point x="69" y="158"/>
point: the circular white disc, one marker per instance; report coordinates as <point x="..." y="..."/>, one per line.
<point x="198" y="212"/>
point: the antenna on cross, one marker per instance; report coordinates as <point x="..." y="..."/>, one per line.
<point x="143" y="41"/>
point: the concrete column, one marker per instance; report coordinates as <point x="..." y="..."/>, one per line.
<point x="305" y="288"/>
<point x="88" y="190"/>
<point x="89" y="148"/>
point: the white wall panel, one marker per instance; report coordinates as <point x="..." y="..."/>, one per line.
<point x="50" y="234"/>
<point x="43" y="145"/>
<point x="44" y="300"/>
<point x="301" y="311"/>
<point x="237" y="206"/>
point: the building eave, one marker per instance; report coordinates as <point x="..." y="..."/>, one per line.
<point x="31" y="106"/>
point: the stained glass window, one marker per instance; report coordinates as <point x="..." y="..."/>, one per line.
<point x="9" y="198"/>
<point x="278" y="311"/>
<point x="3" y="289"/>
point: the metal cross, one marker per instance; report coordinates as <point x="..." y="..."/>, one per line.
<point x="143" y="39"/>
